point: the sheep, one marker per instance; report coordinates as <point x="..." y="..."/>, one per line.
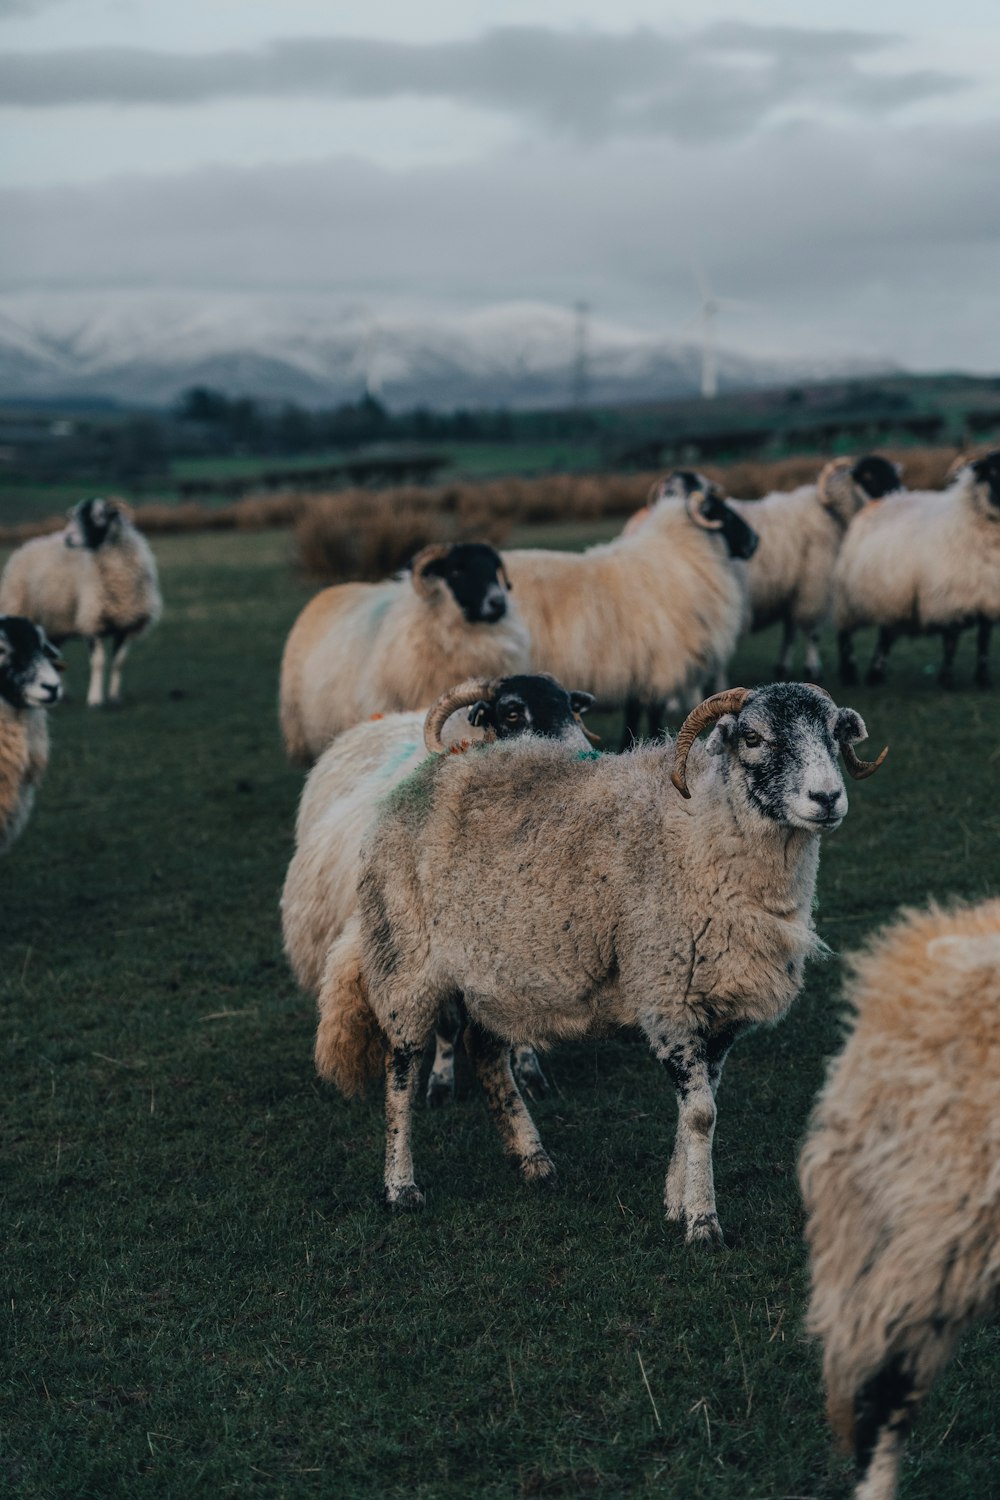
<point x="645" y="614"/>
<point x="560" y="897"/>
<point x="96" y="579"/>
<point x="923" y="561"/>
<point x="342" y="793"/>
<point x="29" y="683"/>
<point x="363" y="648"/>
<point x="900" y="1174"/>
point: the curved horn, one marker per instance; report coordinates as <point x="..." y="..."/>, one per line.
<point x="463" y="696"/>
<point x="423" y="559"/>
<point x="694" y="503"/>
<point x="861" y="769"/>
<point x="826" y="473"/>
<point x="956" y="466"/>
<point x="707" y="713"/>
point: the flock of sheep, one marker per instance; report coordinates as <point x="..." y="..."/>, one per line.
<point x="475" y="871"/>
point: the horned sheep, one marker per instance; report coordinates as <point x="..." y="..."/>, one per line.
<point x="363" y="648"/>
<point x="923" y="561"/>
<point x="901" y="1177"/>
<point x="96" y="579"/>
<point x="29" y="684"/>
<point x="646" y="614"/>
<point x="340" y="798"/>
<point x="561" y="897"/>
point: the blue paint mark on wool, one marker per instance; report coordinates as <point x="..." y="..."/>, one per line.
<point x="588" y="755"/>
<point x="399" y="759"/>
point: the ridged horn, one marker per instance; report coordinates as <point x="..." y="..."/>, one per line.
<point x="861" y="769"/>
<point x="956" y="466"/>
<point x="423" y="559"/>
<point x="706" y="714"/>
<point x="694" y="503"/>
<point x="463" y="696"/>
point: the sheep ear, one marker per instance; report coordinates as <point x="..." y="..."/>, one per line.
<point x="850" y="727"/>
<point x="580" y="703"/>
<point x="721" y="735"/>
<point x="479" y="713"/>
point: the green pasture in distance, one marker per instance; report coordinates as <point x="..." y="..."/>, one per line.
<point x="202" y="1295"/>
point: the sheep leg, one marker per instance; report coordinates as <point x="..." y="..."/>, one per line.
<point x="845" y="651"/>
<point x="883" y="1410"/>
<point x="441" y="1083"/>
<point x="491" y="1060"/>
<point x="402" y="1070"/>
<point x="876" y="672"/>
<point x="983" y="632"/>
<point x="949" y="645"/>
<point x="716" y="1052"/>
<point x="814" y="662"/>
<point x="528" y="1072"/>
<point x="783" y="665"/>
<point x="689" y="1193"/>
<point x="119" y="650"/>
<point x="95" y="692"/>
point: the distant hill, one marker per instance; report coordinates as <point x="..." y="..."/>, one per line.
<point x="146" y="348"/>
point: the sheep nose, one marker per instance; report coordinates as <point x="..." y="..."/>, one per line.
<point x="494" y="607"/>
<point x="827" y="801"/>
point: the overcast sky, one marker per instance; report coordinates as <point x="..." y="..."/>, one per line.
<point x="834" y="168"/>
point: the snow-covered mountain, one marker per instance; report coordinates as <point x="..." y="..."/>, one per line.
<point x="148" y="347"/>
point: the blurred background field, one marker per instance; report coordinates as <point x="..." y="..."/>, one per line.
<point x="202" y="1294"/>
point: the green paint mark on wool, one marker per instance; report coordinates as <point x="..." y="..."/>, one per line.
<point x="399" y="759"/>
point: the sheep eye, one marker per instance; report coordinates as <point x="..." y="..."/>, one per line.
<point x="512" y="715"/>
<point x="752" y="739"/>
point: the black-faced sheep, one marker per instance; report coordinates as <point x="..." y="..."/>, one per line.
<point x="647" y="614"/>
<point x="561" y="896"/>
<point x="97" y="579"/>
<point x="901" y="1177"/>
<point x="29" y="684"/>
<point x="340" y="798"/>
<point x="363" y="648"/>
<point x="923" y="561"/>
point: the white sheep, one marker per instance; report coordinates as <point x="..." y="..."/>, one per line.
<point x="29" y="684"/>
<point x="97" y="579"/>
<point x="363" y="648"/>
<point x="901" y="1177"/>
<point x="560" y="897"/>
<point x="342" y="793"/>
<point x="923" y="561"/>
<point x="647" y="614"/>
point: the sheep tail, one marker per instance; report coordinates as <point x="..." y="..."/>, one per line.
<point x="350" y="1044"/>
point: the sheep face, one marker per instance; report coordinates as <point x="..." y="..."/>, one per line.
<point x="29" y="664"/>
<point x="533" y="705"/>
<point x="474" y="575"/>
<point x="684" y="482"/>
<point x="987" y="473"/>
<point x="740" y="539"/>
<point x="876" y="476"/>
<point x="91" y="523"/>
<point x="781" y="750"/>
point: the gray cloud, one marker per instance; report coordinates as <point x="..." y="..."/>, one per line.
<point x="880" y="242"/>
<point x="722" y="81"/>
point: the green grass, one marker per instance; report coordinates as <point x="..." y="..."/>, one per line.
<point x="202" y="1295"/>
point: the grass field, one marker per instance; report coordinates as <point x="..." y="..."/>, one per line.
<point x="202" y="1294"/>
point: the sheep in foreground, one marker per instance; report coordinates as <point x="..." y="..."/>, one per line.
<point x="342" y="793"/>
<point x="97" y="579"/>
<point x="923" y="561"/>
<point x="562" y="897"/>
<point x="647" y="614"/>
<point x="29" y="683"/>
<point x="363" y="648"/>
<point x="901" y="1177"/>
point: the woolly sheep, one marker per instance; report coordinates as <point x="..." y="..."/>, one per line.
<point x="562" y="897"/>
<point x="643" y="615"/>
<point x="344" y="789"/>
<point x="923" y="561"/>
<point x="363" y="648"/>
<point x="97" y="579"/>
<point x="29" y="684"/>
<point x="901" y="1177"/>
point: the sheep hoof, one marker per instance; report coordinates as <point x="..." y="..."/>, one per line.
<point x="440" y="1092"/>
<point x="530" y="1077"/>
<point x="539" y="1169"/>
<point x="674" y="1212"/>
<point x="875" y="676"/>
<point x="707" y="1231"/>
<point x="403" y="1197"/>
